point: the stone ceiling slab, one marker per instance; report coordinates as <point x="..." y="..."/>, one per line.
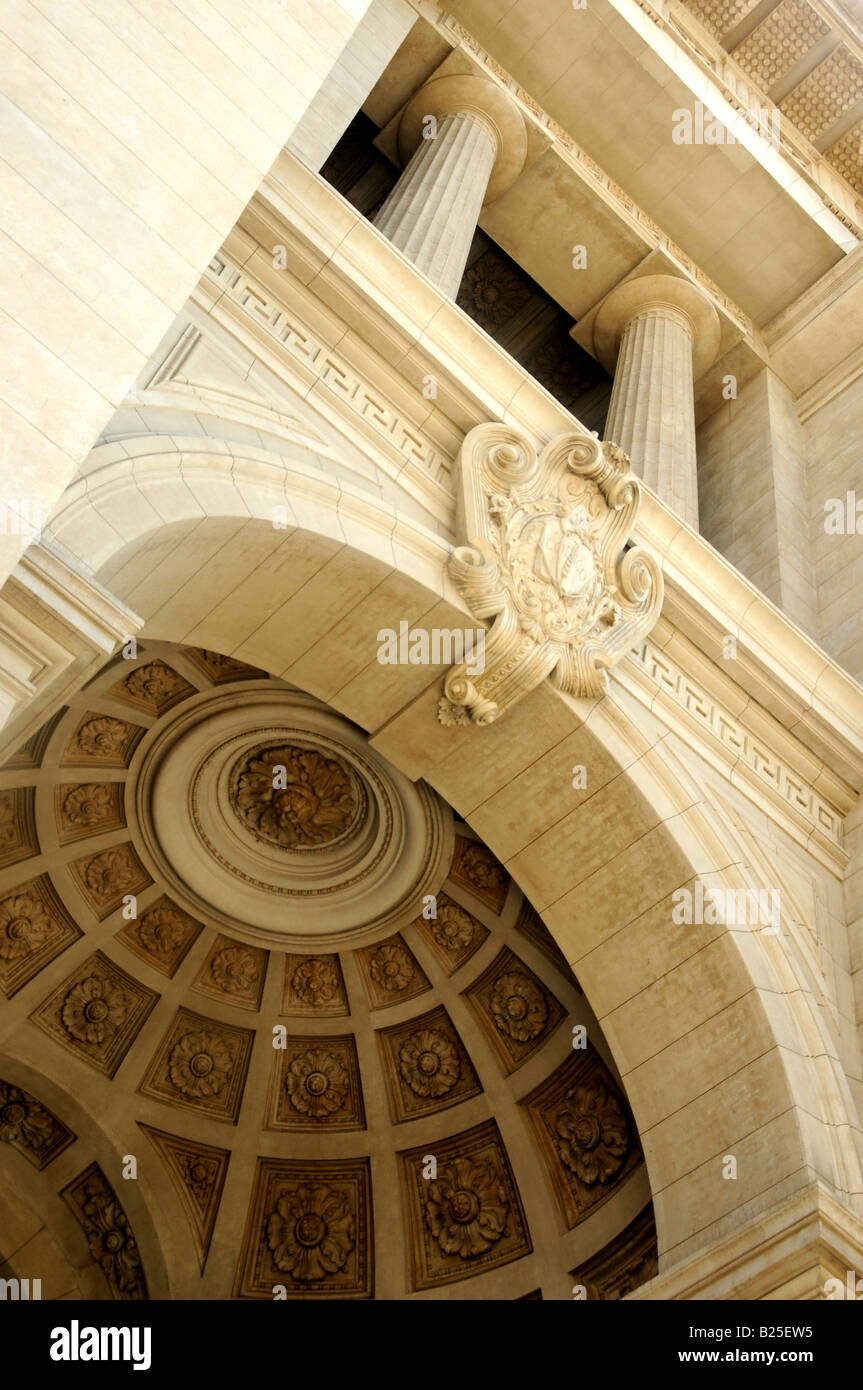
<point x="544" y="215"/>
<point x="601" y="81"/>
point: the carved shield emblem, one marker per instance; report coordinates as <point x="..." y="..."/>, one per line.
<point x="545" y="553"/>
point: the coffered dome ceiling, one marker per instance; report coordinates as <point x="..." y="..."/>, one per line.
<point x="276" y="1024"/>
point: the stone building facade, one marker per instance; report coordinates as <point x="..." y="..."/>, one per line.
<point x="430" y="649"/>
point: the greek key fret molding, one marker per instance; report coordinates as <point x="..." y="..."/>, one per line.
<point x="760" y="765"/>
<point x="544" y="553"/>
<point x="329" y="367"/>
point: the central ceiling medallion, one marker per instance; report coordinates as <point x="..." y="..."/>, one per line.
<point x="271" y="815"/>
<point x="296" y="797"/>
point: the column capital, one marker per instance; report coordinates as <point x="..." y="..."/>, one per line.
<point x="464" y="94"/>
<point x="657" y="293"/>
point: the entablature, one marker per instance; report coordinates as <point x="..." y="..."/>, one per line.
<point x="356" y="331"/>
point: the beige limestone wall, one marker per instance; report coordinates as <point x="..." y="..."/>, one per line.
<point x="835" y="463"/>
<point x="821" y="954"/>
<point x="133" y="136"/>
<point x="753" y="503"/>
<point x="377" y="37"/>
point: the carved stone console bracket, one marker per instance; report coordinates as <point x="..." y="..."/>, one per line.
<point x="545" y="553"/>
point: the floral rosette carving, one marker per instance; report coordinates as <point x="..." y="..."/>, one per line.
<point x="316" y="1083"/>
<point x="200" y="1064"/>
<point x="491" y="292"/>
<point x="311" y="1233"/>
<point x="234" y="970"/>
<point x="94" y="1009"/>
<point x="24" y="925"/>
<point x="88" y="804"/>
<point x="199" y="1174"/>
<point x="466" y="1208"/>
<point x="592" y="1133"/>
<point x="111" y="872"/>
<point x="316" y="981"/>
<point x="295" y="797"/>
<point x="429" y="1063"/>
<point x="104" y="735"/>
<point x="23" y="1121"/>
<point x="391" y="967"/>
<point x="161" y="930"/>
<point x="453" y="928"/>
<point x="111" y="1242"/>
<point x="154" y="683"/>
<point x="482" y="870"/>
<point x="518" y="1006"/>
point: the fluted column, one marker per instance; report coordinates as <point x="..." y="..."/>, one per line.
<point x="660" y="330"/>
<point x="432" y="212"/>
<point x="476" y="151"/>
<point x="651" y="414"/>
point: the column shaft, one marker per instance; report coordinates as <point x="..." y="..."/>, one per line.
<point x="432" y="212"/>
<point x="651" y="414"/>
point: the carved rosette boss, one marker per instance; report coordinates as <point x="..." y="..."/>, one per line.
<point x="545" y="554"/>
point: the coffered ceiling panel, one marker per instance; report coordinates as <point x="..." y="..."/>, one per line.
<point x="720" y="16"/>
<point x="816" y="74"/>
<point x="776" y="44"/>
<point x="831" y="89"/>
<point x="847" y="156"/>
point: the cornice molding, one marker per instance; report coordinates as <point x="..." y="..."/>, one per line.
<point x="815" y="344"/>
<point x="745" y="745"/>
<point x="240" y="301"/>
<point x="80" y="602"/>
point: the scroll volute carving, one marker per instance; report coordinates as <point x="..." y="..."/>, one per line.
<point x="544" y="553"/>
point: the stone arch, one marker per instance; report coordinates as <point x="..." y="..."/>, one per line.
<point x="53" y="1245"/>
<point x="32" y="1255"/>
<point x="707" y="1025"/>
<point x="182" y="978"/>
